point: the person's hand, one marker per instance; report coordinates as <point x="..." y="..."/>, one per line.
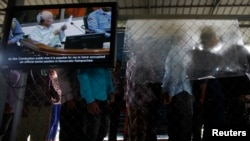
<point x="93" y="108"/>
<point x="64" y="27"/>
<point x="167" y="100"/>
<point x="55" y="100"/>
<point x="57" y="32"/>
<point x="245" y="98"/>
<point x="201" y="100"/>
<point x="111" y="98"/>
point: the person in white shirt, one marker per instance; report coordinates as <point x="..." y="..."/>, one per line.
<point x="45" y="32"/>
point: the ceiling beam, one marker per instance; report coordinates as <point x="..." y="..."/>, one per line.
<point x="5" y="1"/>
<point x="216" y="4"/>
<point x="239" y="17"/>
<point x="244" y="25"/>
<point x="149" y="6"/>
<point x="20" y="2"/>
<point x="187" y="6"/>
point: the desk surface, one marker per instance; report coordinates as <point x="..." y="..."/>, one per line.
<point x="41" y="48"/>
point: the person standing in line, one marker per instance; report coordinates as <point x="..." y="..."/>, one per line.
<point x="16" y="34"/>
<point x="10" y="105"/>
<point x="56" y="94"/>
<point x="97" y="90"/>
<point x="177" y="90"/>
<point x="35" y="118"/>
<point x="141" y="101"/>
<point x="198" y="112"/>
<point x="66" y="106"/>
<point x="39" y="111"/>
<point x="72" y="106"/>
<point x="211" y="94"/>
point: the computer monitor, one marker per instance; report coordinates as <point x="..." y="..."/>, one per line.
<point x="86" y="41"/>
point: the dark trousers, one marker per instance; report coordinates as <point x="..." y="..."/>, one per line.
<point x="96" y="126"/>
<point x="180" y="117"/>
<point x="142" y="123"/>
<point x="5" y="130"/>
<point x="198" y="120"/>
<point x="198" y="113"/>
<point x="214" y="108"/>
<point x="54" y="121"/>
<point x="115" y="117"/>
<point x="71" y="122"/>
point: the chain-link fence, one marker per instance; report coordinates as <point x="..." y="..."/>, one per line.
<point x="207" y="59"/>
<point x="154" y="46"/>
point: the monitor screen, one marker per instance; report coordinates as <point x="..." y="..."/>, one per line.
<point x="77" y="35"/>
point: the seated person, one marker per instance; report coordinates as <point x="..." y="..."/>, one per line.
<point x="45" y="32"/>
<point x="100" y="21"/>
<point x="16" y="32"/>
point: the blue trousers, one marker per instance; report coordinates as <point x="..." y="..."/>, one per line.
<point x="54" y="121"/>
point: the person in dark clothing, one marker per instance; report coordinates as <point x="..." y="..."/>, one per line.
<point x="236" y="93"/>
<point x="96" y="89"/>
<point x="10" y="105"/>
<point x="119" y="102"/>
<point x="35" y="119"/>
<point x="72" y="107"/>
<point x="13" y="45"/>
<point x="209" y="103"/>
<point x="198" y="117"/>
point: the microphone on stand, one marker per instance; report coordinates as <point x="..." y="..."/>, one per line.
<point x="69" y="21"/>
<point x="77" y="27"/>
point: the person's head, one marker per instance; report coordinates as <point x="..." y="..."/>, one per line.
<point x="45" y="18"/>
<point x="208" y="37"/>
<point x="52" y="74"/>
<point x="106" y="9"/>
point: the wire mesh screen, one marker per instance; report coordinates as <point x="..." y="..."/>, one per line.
<point x="182" y="55"/>
<point x="151" y="40"/>
<point x="39" y="118"/>
<point x="197" y="51"/>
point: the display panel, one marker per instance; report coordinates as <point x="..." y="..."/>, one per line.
<point x="86" y="45"/>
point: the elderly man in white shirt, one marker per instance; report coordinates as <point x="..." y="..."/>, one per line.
<point x="45" y="32"/>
